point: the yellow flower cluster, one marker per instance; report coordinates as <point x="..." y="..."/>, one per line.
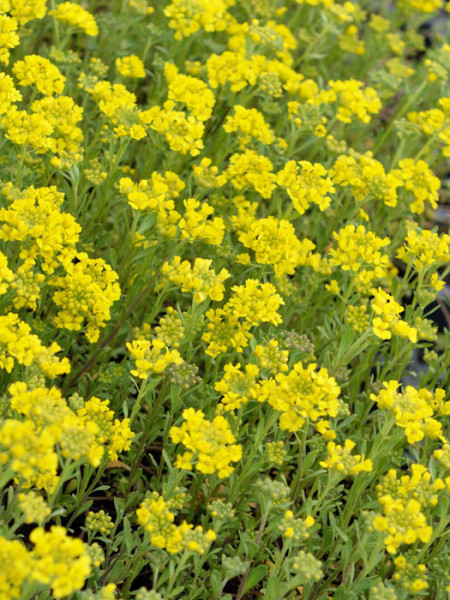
<point x="8" y="93"/>
<point x="19" y="346"/>
<point x="34" y="507"/>
<point x="34" y="219"/>
<point x="155" y="516"/>
<point x="414" y="409"/>
<point x="234" y="69"/>
<point x="157" y="195"/>
<point x="39" y="71"/>
<point x="119" y="106"/>
<point x="56" y="560"/>
<point x="357" y="318"/>
<point x="295" y="529"/>
<point x="411" y="577"/>
<point x="341" y="460"/>
<point x="48" y="237"/>
<point x="130" y="66"/>
<point x="224" y="331"/>
<point x="99" y="521"/>
<point x="237" y="386"/>
<point x="425" y="248"/>
<point x="249" y="169"/>
<point x="403" y="501"/>
<point x="59" y="560"/>
<point x="199" y="278"/>
<point x="403" y="523"/>
<point x="352" y="101"/>
<point x="188" y="16"/>
<point x="306" y="184"/>
<point x="183" y="133"/>
<point x="85" y="294"/>
<point x="50" y="127"/>
<point x="387" y="321"/>
<point x="151" y="356"/>
<point x="29" y="445"/>
<point x="418" y="485"/>
<point x="358" y="250"/>
<point x="275" y="243"/>
<point x="276" y="453"/>
<point x="207" y="175"/>
<point x="74" y="14"/>
<point x="24" y="10"/>
<point x="195" y="223"/>
<point x="255" y="302"/>
<point x="418" y="179"/>
<point x="113" y="434"/>
<point x="272" y="358"/>
<point x="29" y="453"/>
<point x="435" y="123"/>
<point x="303" y="393"/>
<point x="210" y="444"/>
<point x="197" y="98"/>
<point x="8" y="39"/>
<point x="366" y="178"/>
<point x="170" y="329"/>
<point x="249" y="123"/>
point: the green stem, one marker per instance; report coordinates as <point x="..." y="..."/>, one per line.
<point x="174" y="576"/>
<point x="65" y="473"/>
<point x="411" y="98"/>
<point x="262" y="526"/>
<point x="299" y="474"/>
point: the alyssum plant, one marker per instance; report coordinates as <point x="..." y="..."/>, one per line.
<point x="219" y="256"/>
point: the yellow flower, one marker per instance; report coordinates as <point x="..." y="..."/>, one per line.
<point x="8" y="93"/>
<point x="251" y="169"/>
<point x="238" y="387"/>
<point x="427" y="248"/>
<point x="188" y="16"/>
<point x="59" y="560"/>
<point x="151" y="356"/>
<point x="255" y="302"/>
<point x="414" y="409"/>
<point x="388" y="321"/>
<point x="274" y="242"/>
<point x="73" y="14"/>
<point x="183" y="133"/>
<point x="352" y="101"/>
<point x="85" y="294"/>
<point x="402" y="522"/>
<point x="306" y="184"/>
<point x="130" y="66"/>
<point x="198" y="99"/>
<point x="249" y="123"/>
<point x="300" y="394"/>
<point x="224" y="331"/>
<point x="210" y="443"/>
<point x="199" y="278"/>
<point x="39" y="71"/>
<point x="340" y="459"/>
<point x="419" y="181"/>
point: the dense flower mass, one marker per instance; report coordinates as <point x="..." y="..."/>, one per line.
<point x="210" y="444"/>
<point x="224" y="299"/>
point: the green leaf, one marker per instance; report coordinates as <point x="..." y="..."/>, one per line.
<point x="274" y="588"/>
<point x="216" y="582"/>
<point x="127" y="535"/>
<point x="255" y="576"/>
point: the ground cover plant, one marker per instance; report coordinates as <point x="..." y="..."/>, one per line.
<point x="223" y="248"/>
